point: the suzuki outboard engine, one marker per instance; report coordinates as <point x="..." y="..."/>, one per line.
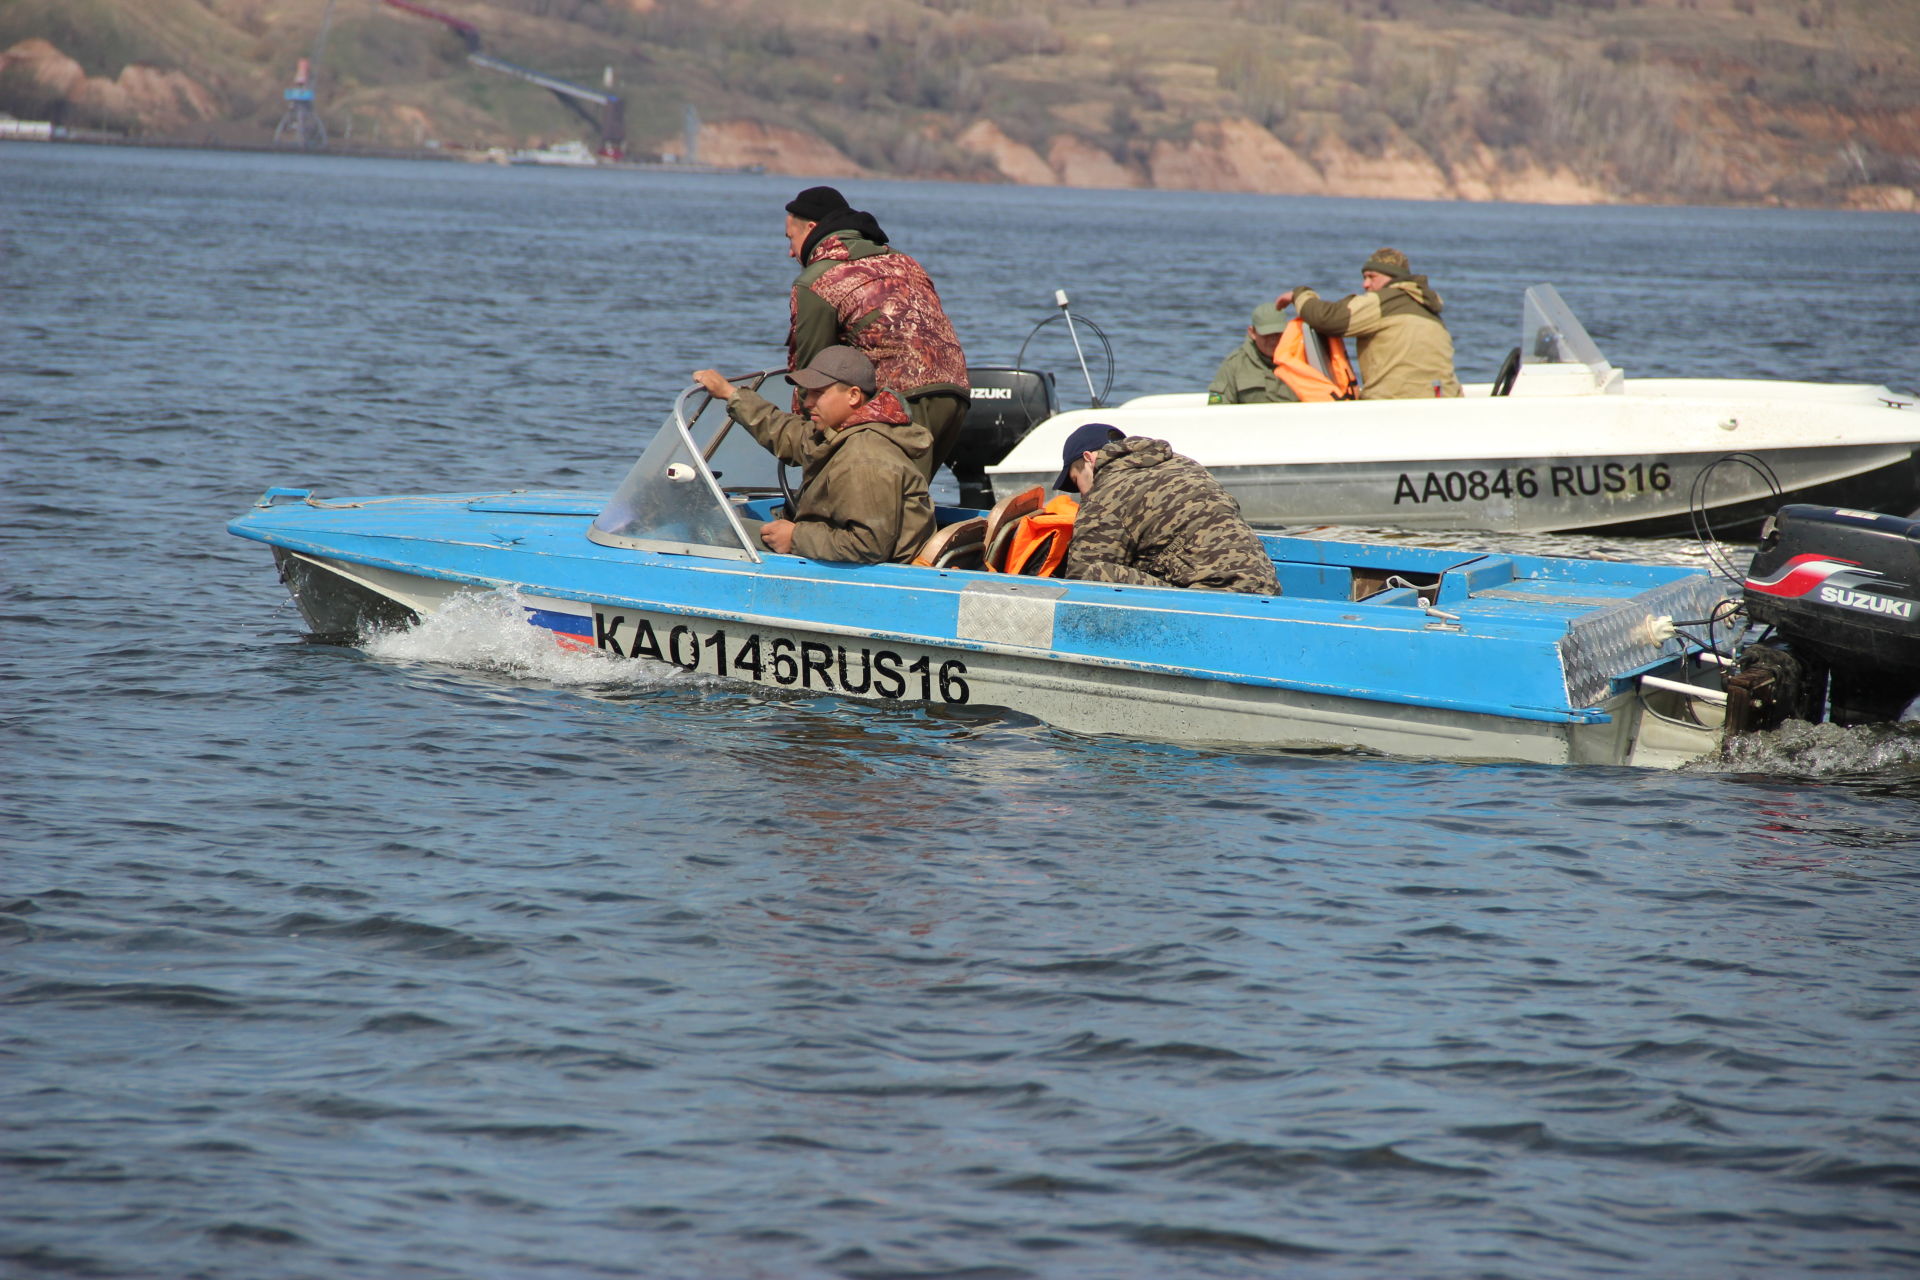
<point x="1007" y="402"/>
<point x="1840" y="591"/>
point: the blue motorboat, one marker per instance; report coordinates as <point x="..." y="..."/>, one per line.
<point x="1413" y="651"/>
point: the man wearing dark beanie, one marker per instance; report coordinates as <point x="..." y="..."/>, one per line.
<point x="815" y="203"/>
<point x="856" y="290"/>
<point x="1405" y="352"/>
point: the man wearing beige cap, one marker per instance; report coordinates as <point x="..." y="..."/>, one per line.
<point x="863" y="497"/>
<point x="1246" y="376"/>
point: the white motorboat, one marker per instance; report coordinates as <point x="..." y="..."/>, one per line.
<point x="1561" y="441"/>
<point x="574" y="153"/>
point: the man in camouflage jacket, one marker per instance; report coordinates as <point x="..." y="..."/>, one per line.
<point x="1150" y="517"/>
<point x="855" y="290"/>
<point x="862" y="495"/>
<point x="1404" y="350"/>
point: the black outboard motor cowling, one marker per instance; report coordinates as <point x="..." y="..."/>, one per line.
<point x="1841" y="589"/>
<point x="1006" y="403"/>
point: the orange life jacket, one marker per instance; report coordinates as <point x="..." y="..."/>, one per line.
<point x="1039" y="543"/>
<point x="1293" y="366"/>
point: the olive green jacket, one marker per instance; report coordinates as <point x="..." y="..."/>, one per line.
<point x="1246" y="377"/>
<point x="862" y="498"/>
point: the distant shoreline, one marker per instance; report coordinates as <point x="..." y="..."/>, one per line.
<point x="94" y="138"/>
<point x="468" y="156"/>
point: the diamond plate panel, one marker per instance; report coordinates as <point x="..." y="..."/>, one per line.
<point x="1602" y="644"/>
<point x="1014" y="613"/>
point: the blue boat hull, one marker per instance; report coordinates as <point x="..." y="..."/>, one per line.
<point x="1477" y="657"/>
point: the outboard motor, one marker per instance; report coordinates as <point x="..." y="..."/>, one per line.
<point x="1007" y="402"/>
<point x="1841" y="591"/>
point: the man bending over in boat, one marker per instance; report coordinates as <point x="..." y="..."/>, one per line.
<point x="1246" y="376"/>
<point x="863" y="497"/>
<point x="1405" y="352"/>
<point x="1150" y="517"/>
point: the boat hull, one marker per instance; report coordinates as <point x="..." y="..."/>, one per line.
<point x="999" y="667"/>
<point x="1647" y="495"/>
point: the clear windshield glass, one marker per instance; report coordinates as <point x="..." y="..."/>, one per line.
<point x="1551" y="334"/>
<point x="671" y="502"/>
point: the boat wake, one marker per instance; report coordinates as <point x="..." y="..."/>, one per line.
<point x="489" y="633"/>
<point x="1805" y="750"/>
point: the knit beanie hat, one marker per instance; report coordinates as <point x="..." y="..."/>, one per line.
<point x="1390" y="262"/>
<point x="816" y="203"/>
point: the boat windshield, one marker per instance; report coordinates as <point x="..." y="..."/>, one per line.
<point x="672" y="500"/>
<point x="1551" y="334"/>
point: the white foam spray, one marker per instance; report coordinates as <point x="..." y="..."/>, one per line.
<point x="489" y="632"/>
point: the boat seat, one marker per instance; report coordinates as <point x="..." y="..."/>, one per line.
<point x="1003" y="518"/>
<point x="961" y="545"/>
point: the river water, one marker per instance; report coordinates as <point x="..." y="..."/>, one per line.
<point x="455" y="956"/>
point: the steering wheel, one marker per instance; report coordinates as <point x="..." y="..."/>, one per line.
<point x="1509" y="373"/>
<point x="786" y="491"/>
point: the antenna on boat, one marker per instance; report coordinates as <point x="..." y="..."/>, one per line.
<point x="1095" y="399"/>
<point x="1060" y="301"/>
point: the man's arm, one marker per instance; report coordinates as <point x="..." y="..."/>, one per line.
<point x="1101" y="545"/>
<point x="786" y="435"/>
<point x="1352" y="316"/>
<point x="816" y="326"/>
<point x="1119" y="574"/>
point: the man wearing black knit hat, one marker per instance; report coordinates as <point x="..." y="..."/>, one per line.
<point x="1405" y="352"/>
<point x="855" y="290"/>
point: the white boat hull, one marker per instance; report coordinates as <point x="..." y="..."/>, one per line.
<point x="1627" y="462"/>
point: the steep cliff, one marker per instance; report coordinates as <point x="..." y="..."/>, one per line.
<point x="1761" y="101"/>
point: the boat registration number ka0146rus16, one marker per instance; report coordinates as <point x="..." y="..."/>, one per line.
<point x="783" y="661"/>
<point x="1588" y="480"/>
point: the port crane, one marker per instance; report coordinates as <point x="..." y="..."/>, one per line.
<point x="300" y="121"/>
<point x="610" y="118"/>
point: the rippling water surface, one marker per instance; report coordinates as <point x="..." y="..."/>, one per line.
<point x="454" y="956"/>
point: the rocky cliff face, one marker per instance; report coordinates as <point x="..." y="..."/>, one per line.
<point x="144" y="97"/>
<point x="1513" y="100"/>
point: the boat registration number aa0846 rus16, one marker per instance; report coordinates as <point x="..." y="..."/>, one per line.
<point x="1588" y="480"/>
<point x="818" y="666"/>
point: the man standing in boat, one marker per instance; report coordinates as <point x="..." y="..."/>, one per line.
<point x="854" y="290"/>
<point x="863" y="496"/>
<point x="1246" y="376"/>
<point x="1150" y="517"/>
<point x="1405" y="352"/>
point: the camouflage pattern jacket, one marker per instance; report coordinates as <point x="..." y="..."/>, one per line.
<point x="1156" y="519"/>
<point x="881" y="302"/>
<point x="1246" y="377"/>
<point x="861" y="497"/>
<point x="1403" y="347"/>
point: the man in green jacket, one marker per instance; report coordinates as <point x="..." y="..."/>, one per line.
<point x="863" y="497"/>
<point x="1246" y="376"/>
<point x="1405" y="353"/>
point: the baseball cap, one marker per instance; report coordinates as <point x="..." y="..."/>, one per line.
<point x="835" y="364"/>
<point x="1086" y="437"/>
